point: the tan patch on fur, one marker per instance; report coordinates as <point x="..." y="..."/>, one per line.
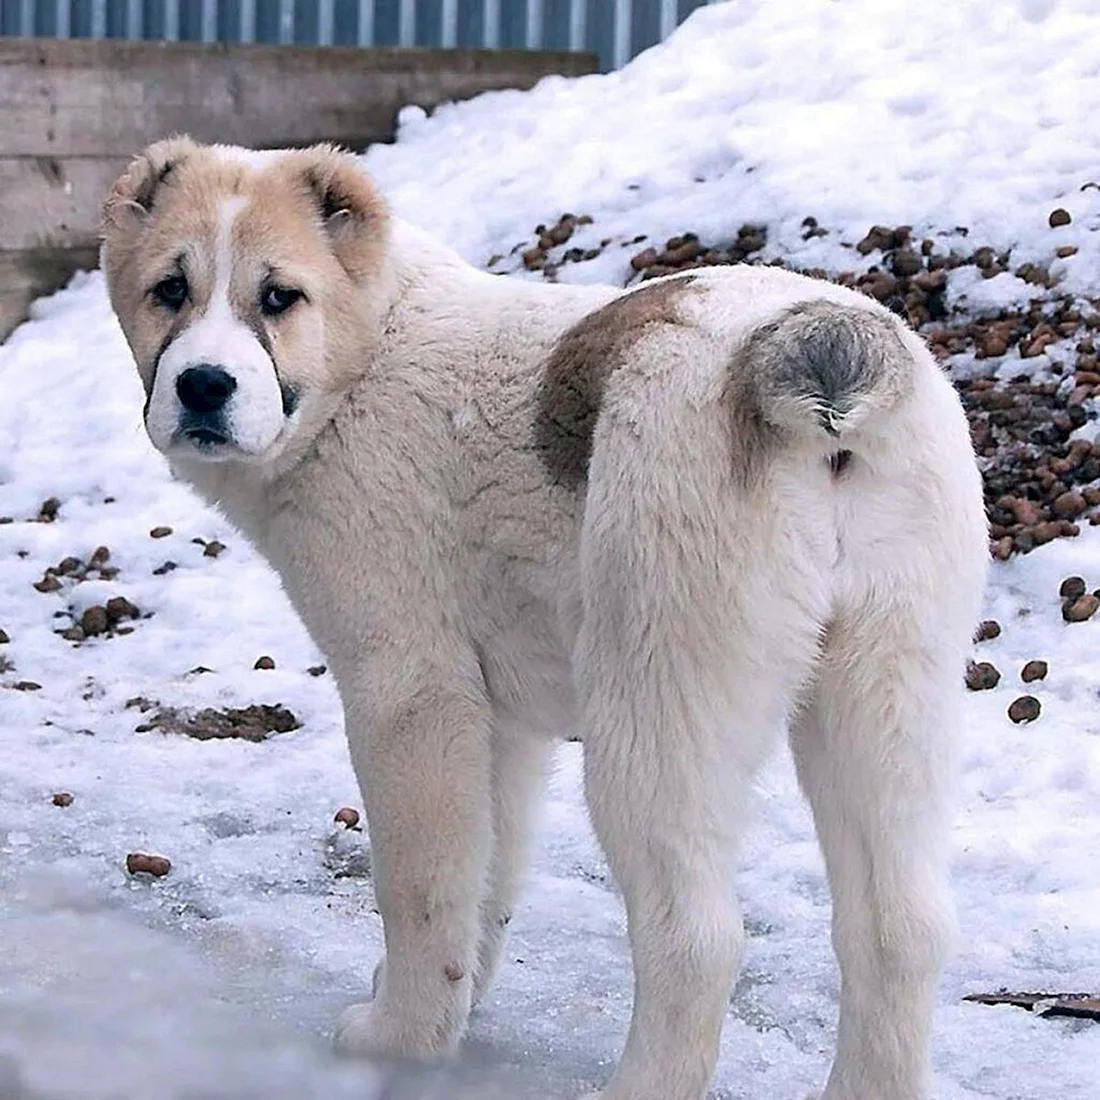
<point x="342" y="200"/>
<point x="579" y="366"/>
<point x="310" y="219"/>
<point x="312" y="207"/>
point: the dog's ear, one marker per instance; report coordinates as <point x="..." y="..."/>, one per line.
<point x="132" y="196"/>
<point x="352" y="213"/>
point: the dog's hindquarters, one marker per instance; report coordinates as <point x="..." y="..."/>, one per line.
<point x="720" y="548"/>
<point x="876" y="740"/>
<point x="702" y="611"/>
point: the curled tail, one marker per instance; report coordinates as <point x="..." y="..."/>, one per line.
<point x="823" y="367"/>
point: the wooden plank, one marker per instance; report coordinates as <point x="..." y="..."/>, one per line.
<point x="1082" y="1006"/>
<point x="30" y="273"/>
<point x="54" y="201"/>
<point x="110" y="98"/>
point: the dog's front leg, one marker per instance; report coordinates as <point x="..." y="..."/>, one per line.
<point x="422" y="758"/>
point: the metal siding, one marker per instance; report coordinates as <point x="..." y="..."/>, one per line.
<point x="615" y="29"/>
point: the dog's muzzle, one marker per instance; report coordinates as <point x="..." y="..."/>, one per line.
<point x="203" y="392"/>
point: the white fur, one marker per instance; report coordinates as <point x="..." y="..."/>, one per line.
<point x="678" y="613"/>
<point x="254" y="415"/>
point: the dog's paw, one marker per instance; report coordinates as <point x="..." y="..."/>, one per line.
<point x="358" y="1033"/>
<point x="374" y="1030"/>
<point x="368" y="1031"/>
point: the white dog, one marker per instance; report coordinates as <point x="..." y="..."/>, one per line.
<point x="675" y="519"/>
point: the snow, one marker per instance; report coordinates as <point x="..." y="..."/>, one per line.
<point x="222" y="980"/>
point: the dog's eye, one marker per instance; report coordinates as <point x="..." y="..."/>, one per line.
<point x="171" y="292"/>
<point x="278" y="299"/>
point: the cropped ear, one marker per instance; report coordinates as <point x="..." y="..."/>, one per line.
<point x="352" y="212"/>
<point x="133" y="193"/>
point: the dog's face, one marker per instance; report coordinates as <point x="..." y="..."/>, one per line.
<point x="249" y="286"/>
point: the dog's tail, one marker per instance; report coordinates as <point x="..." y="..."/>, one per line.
<point x="823" y="368"/>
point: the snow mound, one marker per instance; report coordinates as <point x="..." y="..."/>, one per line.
<point x="980" y="116"/>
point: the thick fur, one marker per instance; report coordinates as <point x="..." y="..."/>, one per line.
<point x="677" y="520"/>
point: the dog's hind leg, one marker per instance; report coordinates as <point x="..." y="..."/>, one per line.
<point x="683" y="681"/>
<point x="874" y="749"/>
<point x="520" y="765"/>
<point x="666" y="825"/>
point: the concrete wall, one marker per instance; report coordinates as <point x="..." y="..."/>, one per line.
<point x="73" y="112"/>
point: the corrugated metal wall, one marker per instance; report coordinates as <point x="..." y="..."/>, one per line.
<point x="615" y="29"/>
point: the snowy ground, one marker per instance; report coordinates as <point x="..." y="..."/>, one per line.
<point x="222" y="979"/>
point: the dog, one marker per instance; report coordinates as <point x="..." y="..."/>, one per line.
<point x="678" y="520"/>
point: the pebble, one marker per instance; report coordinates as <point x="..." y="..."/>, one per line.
<point x="1024" y="709"/>
<point x="1033" y="670"/>
<point x="138" y="863"/>
<point x="1069" y="505"/>
<point x="1072" y="588"/>
<point x="1080" y="609"/>
<point x="119" y="607"/>
<point x="982" y="676"/>
<point x="95" y="620"/>
<point x="907" y="263"/>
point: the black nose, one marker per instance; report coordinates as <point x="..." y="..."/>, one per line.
<point x="205" y="389"/>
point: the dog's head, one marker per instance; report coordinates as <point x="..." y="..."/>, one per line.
<point x="250" y="287"/>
